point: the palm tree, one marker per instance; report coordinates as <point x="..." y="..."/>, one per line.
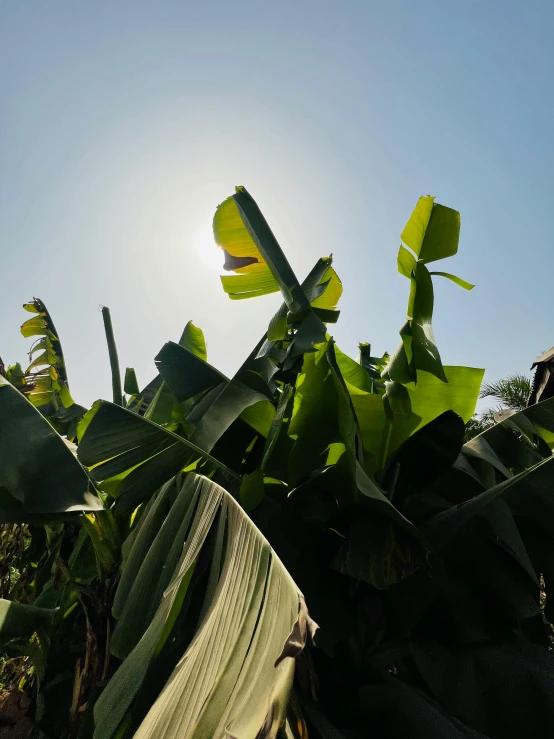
<point x="511" y="392"/>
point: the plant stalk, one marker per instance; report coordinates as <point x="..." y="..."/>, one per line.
<point x="114" y="362"/>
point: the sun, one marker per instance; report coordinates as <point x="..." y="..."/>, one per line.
<point x="207" y="250"/>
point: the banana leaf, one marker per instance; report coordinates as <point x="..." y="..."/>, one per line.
<point x="39" y="475"/>
<point x="234" y="676"/>
<point x="45" y="381"/>
<point x="131" y="457"/>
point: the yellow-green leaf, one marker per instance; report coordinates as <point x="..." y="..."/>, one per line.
<point x="242" y="256"/>
<point x="432" y="231"/>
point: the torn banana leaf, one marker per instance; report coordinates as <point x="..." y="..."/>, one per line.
<point x="234" y="676"/>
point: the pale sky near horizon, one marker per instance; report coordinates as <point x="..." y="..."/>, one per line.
<point x="124" y="124"/>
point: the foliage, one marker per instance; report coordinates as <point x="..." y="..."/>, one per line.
<point x="512" y="392"/>
<point x="172" y="553"/>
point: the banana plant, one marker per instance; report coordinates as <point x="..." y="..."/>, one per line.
<point x="45" y="382"/>
<point x="194" y="522"/>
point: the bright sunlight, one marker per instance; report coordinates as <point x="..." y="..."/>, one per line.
<point x="207" y="249"/>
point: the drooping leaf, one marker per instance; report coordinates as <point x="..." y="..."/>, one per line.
<point x="38" y="472"/>
<point x="234" y="676"/>
<point x="242" y="255"/>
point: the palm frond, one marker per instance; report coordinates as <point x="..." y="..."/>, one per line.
<point x="513" y="391"/>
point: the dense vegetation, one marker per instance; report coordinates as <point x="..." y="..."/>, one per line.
<point x="160" y="552"/>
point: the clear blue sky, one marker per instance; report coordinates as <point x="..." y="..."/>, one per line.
<point x="124" y="124"/>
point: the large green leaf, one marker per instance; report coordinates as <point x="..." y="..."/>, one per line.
<point x="38" y="472"/>
<point x="138" y="456"/>
<point x="235" y="675"/>
<point x="428" y="399"/>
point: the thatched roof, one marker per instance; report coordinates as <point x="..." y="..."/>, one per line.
<point x="543" y="381"/>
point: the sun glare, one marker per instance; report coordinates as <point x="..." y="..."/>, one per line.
<point x="207" y="250"/>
